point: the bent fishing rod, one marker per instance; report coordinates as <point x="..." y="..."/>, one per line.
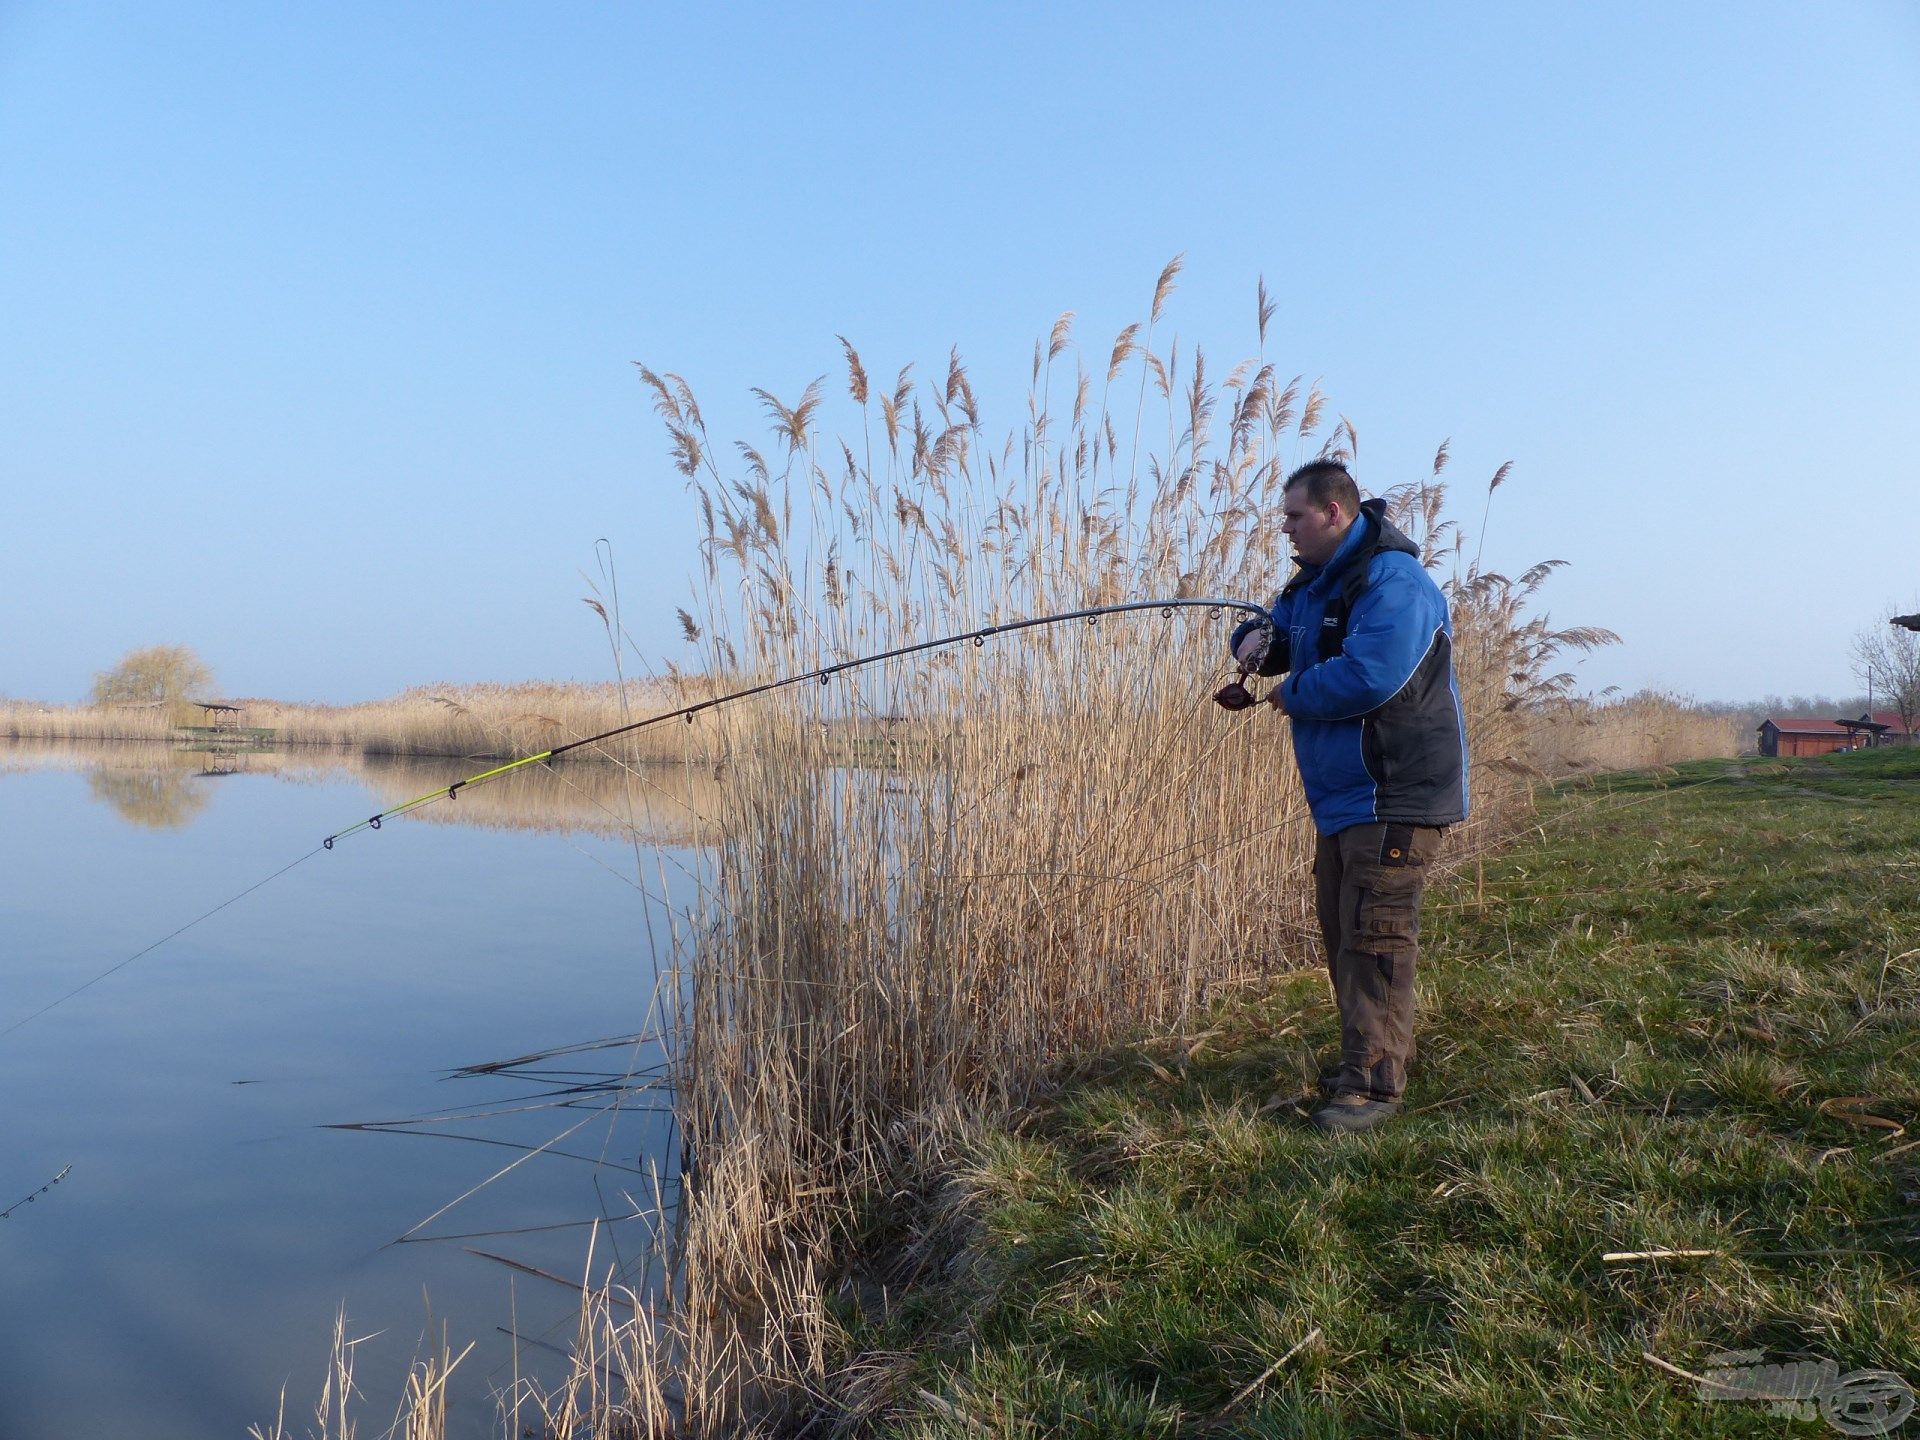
<point x="823" y="675"/>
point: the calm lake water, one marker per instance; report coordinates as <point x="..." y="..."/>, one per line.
<point x="191" y="1263"/>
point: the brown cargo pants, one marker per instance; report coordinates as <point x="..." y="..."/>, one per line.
<point x="1367" y="883"/>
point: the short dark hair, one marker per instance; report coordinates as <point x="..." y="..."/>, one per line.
<point x="1325" y="482"/>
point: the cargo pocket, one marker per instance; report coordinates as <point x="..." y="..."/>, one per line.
<point x="1388" y="922"/>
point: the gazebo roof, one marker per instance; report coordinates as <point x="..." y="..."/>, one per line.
<point x="1805" y="725"/>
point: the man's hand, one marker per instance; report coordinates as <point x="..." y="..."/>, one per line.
<point x="1277" y="699"/>
<point x="1251" y="649"/>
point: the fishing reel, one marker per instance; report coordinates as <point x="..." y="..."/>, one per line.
<point x="1234" y="695"/>
<point x="1249" y="654"/>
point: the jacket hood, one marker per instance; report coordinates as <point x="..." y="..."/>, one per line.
<point x="1390" y="536"/>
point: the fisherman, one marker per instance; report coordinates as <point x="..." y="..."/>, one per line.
<point x="1361" y="633"/>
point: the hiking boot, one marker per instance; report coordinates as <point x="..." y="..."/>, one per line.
<point x="1350" y="1113"/>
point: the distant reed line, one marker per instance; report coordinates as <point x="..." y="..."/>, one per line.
<point x="442" y="720"/>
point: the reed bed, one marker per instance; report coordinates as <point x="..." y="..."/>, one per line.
<point x="490" y="721"/>
<point x="480" y="721"/>
<point x="31" y="720"/>
<point x="1635" y="732"/>
<point x="1089" y="851"/>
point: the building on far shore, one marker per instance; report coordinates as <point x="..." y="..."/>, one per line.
<point x="1790" y="736"/>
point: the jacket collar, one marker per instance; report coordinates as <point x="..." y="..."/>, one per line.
<point x="1370" y="533"/>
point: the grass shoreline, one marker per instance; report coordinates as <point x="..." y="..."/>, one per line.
<point x="1679" y="1016"/>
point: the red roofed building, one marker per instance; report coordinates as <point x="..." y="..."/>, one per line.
<point x="1823" y="737"/>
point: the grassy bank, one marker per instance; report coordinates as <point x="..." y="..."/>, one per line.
<point x="1680" y="1016"/>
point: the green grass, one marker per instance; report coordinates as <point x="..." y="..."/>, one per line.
<point x="1649" y="1029"/>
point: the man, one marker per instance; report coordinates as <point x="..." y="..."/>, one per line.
<point x="1362" y="634"/>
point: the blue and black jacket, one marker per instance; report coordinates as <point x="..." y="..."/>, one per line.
<point x="1377" y="726"/>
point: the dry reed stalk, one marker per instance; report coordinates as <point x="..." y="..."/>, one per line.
<point x="423" y="1411"/>
<point x="333" y="1413"/>
<point x="613" y="1388"/>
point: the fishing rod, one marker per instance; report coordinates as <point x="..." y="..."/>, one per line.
<point x="823" y="674"/>
<point x="7" y="1214"/>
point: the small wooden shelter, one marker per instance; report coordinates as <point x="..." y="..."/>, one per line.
<point x="1863" y="732"/>
<point x="1805" y="736"/>
<point x="220" y="716"/>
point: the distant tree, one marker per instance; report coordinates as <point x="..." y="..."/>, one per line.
<point x="1892" y="654"/>
<point x="153" y="675"/>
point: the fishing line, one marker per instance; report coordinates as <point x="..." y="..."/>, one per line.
<point x="170" y="935"/>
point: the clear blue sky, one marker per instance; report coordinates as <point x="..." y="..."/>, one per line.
<point x="316" y="319"/>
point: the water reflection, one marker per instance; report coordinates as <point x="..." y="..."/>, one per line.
<point x="667" y="803"/>
<point x="151" y="799"/>
<point x="157" y="786"/>
<point x="211" y="1224"/>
